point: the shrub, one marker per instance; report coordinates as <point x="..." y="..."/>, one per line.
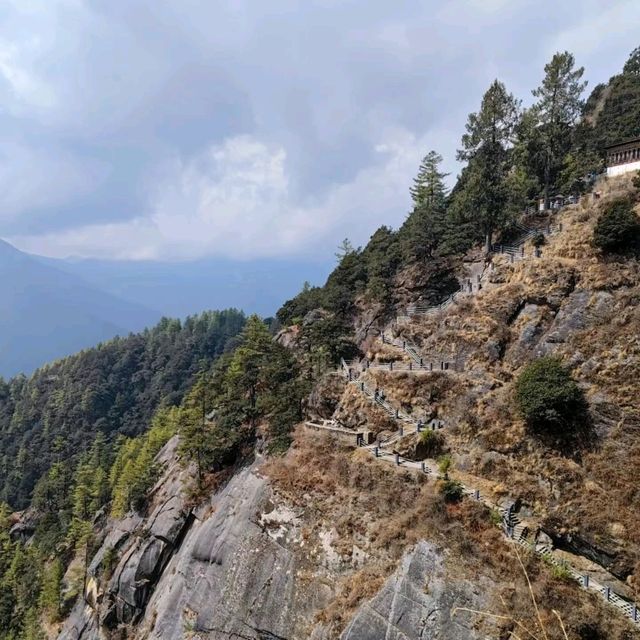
<point x="451" y="491"/>
<point x="548" y="397"/>
<point x="618" y="228"/>
<point x="444" y="465"/>
<point x="430" y="445"/>
<point x="539" y="240"/>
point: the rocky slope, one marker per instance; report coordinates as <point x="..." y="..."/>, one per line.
<point x="327" y="543"/>
<point x="246" y="564"/>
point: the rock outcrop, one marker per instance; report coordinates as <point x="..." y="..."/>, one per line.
<point x="418" y="602"/>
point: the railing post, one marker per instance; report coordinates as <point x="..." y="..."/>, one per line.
<point x="376" y="452"/>
<point x="397" y="459"/>
<point x="391" y="366"/>
<point x="401" y="430"/>
<point x="585" y="581"/>
<point x="476" y="494"/>
<point x="397" y="414"/>
<point x="422" y="466"/>
<point x="607" y="593"/>
<point x="411" y="366"/>
<point x="634" y="612"/>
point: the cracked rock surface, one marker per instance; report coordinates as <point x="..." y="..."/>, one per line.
<point x="416" y="603"/>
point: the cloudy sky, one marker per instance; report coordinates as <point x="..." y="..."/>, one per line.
<point x="172" y="130"/>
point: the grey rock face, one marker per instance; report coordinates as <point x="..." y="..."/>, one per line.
<point x="240" y="566"/>
<point x="236" y="572"/>
<point x="417" y="603"/>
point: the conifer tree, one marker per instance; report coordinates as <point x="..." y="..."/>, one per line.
<point x="51" y="589"/>
<point x="423" y="229"/>
<point x="559" y="105"/>
<point x="486" y="146"/>
<point x="428" y="186"/>
<point x="195" y="431"/>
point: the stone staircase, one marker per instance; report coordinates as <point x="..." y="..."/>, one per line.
<point x="516" y="251"/>
<point x="513" y="527"/>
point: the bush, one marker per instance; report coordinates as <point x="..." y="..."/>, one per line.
<point x="451" y="491"/>
<point x="430" y="445"/>
<point x="444" y="465"/>
<point x="618" y="228"/>
<point x="539" y="240"/>
<point x="548" y="397"/>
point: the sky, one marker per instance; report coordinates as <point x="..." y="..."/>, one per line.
<point x="181" y="130"/>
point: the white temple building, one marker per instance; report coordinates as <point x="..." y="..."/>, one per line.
<point x="623" y="157"/>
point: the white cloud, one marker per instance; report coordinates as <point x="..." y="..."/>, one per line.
<point x="235" y="200"/>
<point x="600" y="27"/>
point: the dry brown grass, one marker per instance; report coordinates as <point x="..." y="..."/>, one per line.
<point x="385" y="512"/>
<point x="593" y="490"/>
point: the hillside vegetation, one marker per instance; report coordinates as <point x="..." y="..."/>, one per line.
<point x="154" y="514"/>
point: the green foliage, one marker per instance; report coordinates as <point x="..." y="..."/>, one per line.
<point x="618" y="228"/>
<point x="618" y="116"/>
<point x="548" y="398"/>
<point x="444" y="465"/>
<point x="495" y="517"/>
<point x="258" y="383"/>
<point x="451" y="490"/>
<point x="432" y="443"/>
<point x="50" y="596"/>
<point x="561" y="572"/>
<point x="558" y="107"/>
<point x="490" y="133"/>
<point x="133" y="471"/>
<point x="114" y="388"/>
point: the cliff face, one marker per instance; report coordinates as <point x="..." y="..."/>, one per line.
<point x="327" y="542"/>
<point x="248" y="563"/>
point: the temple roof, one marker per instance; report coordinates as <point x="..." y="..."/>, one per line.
<point x="623" y="143"/>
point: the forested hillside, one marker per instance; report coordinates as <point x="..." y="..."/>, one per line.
<point x="166" y="499"/>
<point x="112" y="389"/>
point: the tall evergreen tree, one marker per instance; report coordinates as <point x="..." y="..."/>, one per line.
<point x="428" y="186"/>
<point x="422" y="231"/>
<point x="486" y="146"/>
<point x="559" y="105"/>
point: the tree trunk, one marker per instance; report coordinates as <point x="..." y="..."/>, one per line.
<point x="547" y="179"/>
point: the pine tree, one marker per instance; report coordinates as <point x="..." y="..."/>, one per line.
<point x="51" y="589"/>
<point x="485" y="146"/>
<point x="428" y="186"/>
<point x="195" y="431"/>
<point x="422" y="232"/>
<point x="558" y="107"/>
<point x="344" y="250"/>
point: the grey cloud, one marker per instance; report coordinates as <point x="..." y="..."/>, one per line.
<point x="108" y="95"/>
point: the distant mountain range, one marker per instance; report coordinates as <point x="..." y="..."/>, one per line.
<point x="178" y="289"/>
<point x="46" y="313"/>
<point x="51" y="308"/>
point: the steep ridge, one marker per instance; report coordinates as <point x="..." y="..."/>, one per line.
<point x="339" y="540"/>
